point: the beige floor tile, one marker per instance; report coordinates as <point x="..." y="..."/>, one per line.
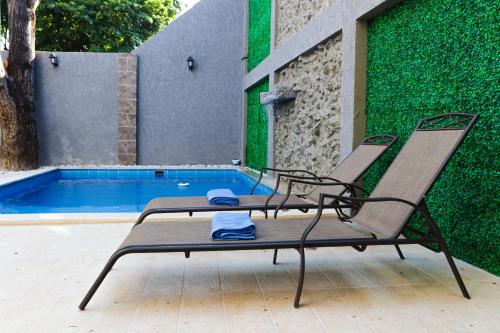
<point x="46" y="271"/>
<point x="288" y="319"/>
<point x="236" y="273"/>
<point x="485" y="293"/>
<point x="402" y="268"/>
<point x="368" y="268"/>
<point x="380" y="312"/>
<point x="246" y="311"/>
<point x="422" y="310"/>
<point x="271" y="278"/>
<point x="340" y="270"/>
<point x="201" y="302"/>
<point x="114" y="304"/>
<point x="315" y="279"/>
<point x="476" y="317"/>
<point x="337" y="312"/>
<point x="159" y="305"/>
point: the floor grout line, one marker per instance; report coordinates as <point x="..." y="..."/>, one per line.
<point x="134" y="312"/>
<point x="268" y="307"/>
<point x="179" y="313"/>
<point x="221" y="292"/>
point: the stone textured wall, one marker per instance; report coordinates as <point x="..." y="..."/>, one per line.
<point x="127" y="102"/>
<point x="307" y="131"/>
<point x="292" y="15"/>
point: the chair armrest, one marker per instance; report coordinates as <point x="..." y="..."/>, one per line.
<point x="418" y="207"/>
<point x="320" y="178"/>
<point x="339" y="198"/>
<point x="280" y="176"/>
<point x="348" y="186"/>
<point x="358" y="199"/>
<point x="278" y="170"/>
<point x="316" y="219"/>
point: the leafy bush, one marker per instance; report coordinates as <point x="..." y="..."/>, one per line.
<point x="427" y="57"/>
<point x="256" y="149"/>
<point x="102" y="25"/>
<point x="259" y="31"/>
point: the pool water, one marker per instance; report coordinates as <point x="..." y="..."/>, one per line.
<point x="114" y="190"/>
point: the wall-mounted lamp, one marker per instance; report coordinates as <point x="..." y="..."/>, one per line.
<point x="190" y="62"/>
<point x="53" y="59"/>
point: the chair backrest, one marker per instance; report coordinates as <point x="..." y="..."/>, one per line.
<point x="356" y="164"/>
<point x="413" y="172"/>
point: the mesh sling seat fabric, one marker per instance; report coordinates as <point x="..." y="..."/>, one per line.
<point x="381" y="219"/>
<point x="348" y="171"/>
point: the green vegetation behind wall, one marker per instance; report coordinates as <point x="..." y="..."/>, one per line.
<point x="427" y="57"/>
<point x="99" y="26"/>
<point x="256" y="149"/>
<point x="259" y="31"/>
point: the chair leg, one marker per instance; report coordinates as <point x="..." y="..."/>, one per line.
<point x="187" y="254"/>
<point x="100" y="278"/>
<point x="454" y="269"/>
<point x="301" y="277"/>
<point x="442" y="245"/>
<point x="400" y="253"/>
<point x="275" y="256"/>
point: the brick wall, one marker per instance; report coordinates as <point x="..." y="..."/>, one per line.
<point x="127" y="109"/>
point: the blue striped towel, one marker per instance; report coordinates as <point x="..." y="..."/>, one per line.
<point x="232" y="226"/>
<point x="222" y="197"/>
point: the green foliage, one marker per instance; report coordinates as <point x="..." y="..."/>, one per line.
<point x="100" y="25"/>
<point x="3" y="23"/>
<point x="259" y="31"/>
<point x="427" y="57"/>
<point x="256" y="150"/>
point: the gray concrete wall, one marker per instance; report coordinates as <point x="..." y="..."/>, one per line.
<point x="76" y="107"/>
<point x="192" y="117"/>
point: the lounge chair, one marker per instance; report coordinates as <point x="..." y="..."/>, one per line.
<point x="348" y="171"/>
<point x="381" y="220"/>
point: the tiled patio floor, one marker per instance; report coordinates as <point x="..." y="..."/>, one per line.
<point x="46" y="270"/>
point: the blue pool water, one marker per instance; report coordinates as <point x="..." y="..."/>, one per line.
<point x="112" y="190"/>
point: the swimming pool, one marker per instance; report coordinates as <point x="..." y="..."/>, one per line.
<point x="114" y="190"/>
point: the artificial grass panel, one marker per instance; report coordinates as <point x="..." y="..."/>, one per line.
<point x="259" y="32"/>
<point x="427" y="57"/>
<point x="256" y="148"/>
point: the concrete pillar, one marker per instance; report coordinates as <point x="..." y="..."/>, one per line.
<point x="353" y="91"/>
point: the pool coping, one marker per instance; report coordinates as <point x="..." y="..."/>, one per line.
<point x="92" y="218"/>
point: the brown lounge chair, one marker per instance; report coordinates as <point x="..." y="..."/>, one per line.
<point x="381" y="220"/>
<point x="348" y="171"/>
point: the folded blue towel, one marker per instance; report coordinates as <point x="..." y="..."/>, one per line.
<point x="222" y="196"/>
<point x="232" y="226"/>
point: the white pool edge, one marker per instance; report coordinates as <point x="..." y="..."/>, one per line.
<point x="96" y="218"/>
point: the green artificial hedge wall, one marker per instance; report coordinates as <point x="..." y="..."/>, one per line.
<point x="256" y="148"/>
<point x="427" y="57"/>
<point x="259" y="32"/>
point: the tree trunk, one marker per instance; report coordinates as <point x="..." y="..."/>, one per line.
<point x="19" y="149"/>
